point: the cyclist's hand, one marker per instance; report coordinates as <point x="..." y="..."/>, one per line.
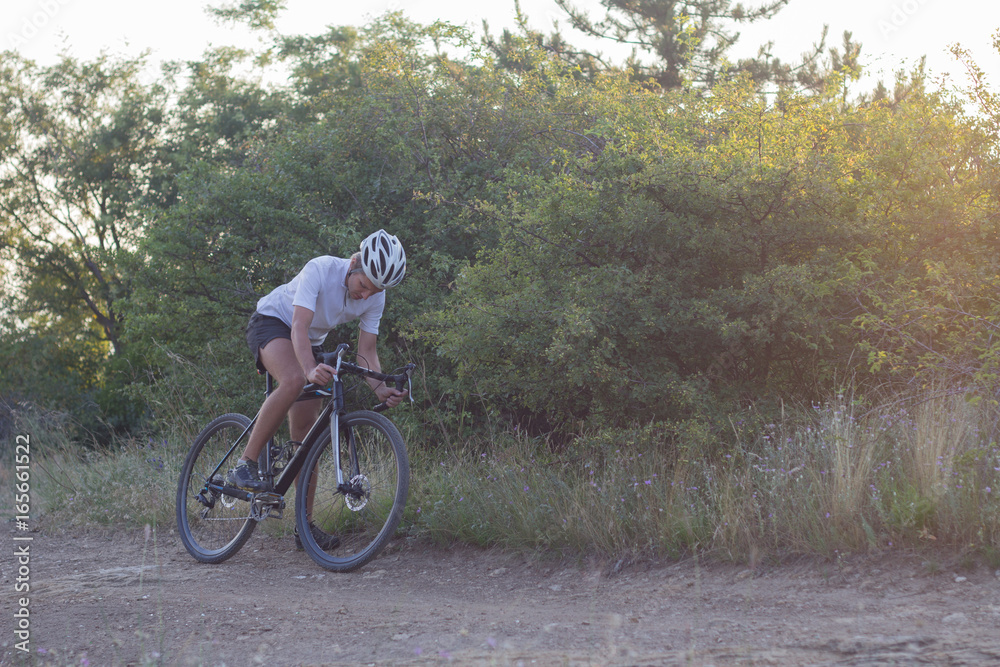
<point x="390" y="396"/>
<point x="321" y="374"/>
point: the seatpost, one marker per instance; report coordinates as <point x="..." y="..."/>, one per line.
<point x="266" y="452"/>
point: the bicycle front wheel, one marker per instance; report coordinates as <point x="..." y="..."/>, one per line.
<point x="213" y="526"/>
<point x="351" y="525"/>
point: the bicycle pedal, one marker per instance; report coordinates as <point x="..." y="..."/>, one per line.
<point x="267" y="505"/>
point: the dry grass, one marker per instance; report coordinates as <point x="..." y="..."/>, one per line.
<point x="830" y="480"/>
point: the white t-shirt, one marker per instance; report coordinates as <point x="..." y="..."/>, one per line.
<point x="319" y="286"/>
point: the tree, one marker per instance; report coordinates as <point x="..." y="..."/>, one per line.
<point x="678" y="41"/>
<point x="722" y="248"/>
<point x="299" y="189"/>
<point x="78" y="142"/>
<point x="89" y="153"/>
<point x="424" y="146"/>
<point x="257" y="14"/>
<point x="681" y="252"/>
<point x="929" y="310"/>
<point x="217" y="112"/>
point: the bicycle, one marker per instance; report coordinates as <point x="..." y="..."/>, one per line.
<point x="353" y="471"/>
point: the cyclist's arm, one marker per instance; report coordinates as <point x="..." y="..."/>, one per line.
<point x="368" y="354"/>
<point x="321" y="374"/>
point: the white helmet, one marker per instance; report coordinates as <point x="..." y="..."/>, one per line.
<point x="383" y="259"/>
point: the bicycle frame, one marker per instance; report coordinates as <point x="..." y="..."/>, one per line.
<point x="330" y="414"/>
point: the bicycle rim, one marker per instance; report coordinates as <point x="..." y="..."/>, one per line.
<point x="215" y="526"/>
<point x="365" y="521"/>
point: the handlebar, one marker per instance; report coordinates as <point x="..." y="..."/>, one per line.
<point x="336" y="359"/>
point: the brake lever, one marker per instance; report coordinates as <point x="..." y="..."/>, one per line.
<point x="409" y="381"/>
<point x="408" y="370"/>
<point x="341" y="349"/>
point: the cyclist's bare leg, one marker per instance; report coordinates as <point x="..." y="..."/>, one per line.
<point x="301" y="417"/>
<point x="279" y="359"/>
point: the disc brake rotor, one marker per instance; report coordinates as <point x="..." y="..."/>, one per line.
<point x="357" y="501"/>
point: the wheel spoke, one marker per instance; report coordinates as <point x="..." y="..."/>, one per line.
<point x="365" y="522"/>
<point x="214" y="531"/>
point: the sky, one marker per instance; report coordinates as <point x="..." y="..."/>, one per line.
<point x="893" y="33"/>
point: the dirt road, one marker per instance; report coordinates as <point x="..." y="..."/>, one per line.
<point x="117" y="600"/>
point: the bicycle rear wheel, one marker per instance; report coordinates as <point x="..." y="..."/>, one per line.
<point x="213" y="526"/>
<point x="376" y="468"/>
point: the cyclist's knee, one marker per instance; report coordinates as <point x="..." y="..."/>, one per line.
<point x="291" y="388"/>
<point x="290" y="378"/>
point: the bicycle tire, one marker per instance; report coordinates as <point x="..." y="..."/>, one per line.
<point x="212" y="534"/>
<point x="364" y="523"/>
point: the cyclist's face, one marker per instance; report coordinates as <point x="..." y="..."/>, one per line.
<point x="359" y="287"/>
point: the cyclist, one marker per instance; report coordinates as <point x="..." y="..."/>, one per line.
<point x="290" y="325"/>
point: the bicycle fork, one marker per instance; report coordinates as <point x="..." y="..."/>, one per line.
<point x="357" y="489"/>
<point x="354" y="490"/>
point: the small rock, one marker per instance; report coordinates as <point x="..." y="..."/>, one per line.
<point x="954" y="619"/>
<point x="959" y="580"/>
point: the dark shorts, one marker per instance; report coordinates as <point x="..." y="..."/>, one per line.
<point x="262" y="329"/>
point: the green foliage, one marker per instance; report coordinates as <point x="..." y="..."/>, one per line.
<point x="928" y="310"/>
<point x="420" y="149"/>
<point x="207" y="262"/>
<point x="79" y="142"/>
<point x="678" y="44"/>
<point x="585" y="254"/>
<point x="909" y="511"/>
<point x="218" y="112"/>
<point x="257" y="14"/>
<point x="694" y="242"/>
<point x="76" y="140"/>
<point x="47" y="367"/>
<point x="323" y="65"/>
<point x="715" y="248"/>
<point x="824" y="480"/>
